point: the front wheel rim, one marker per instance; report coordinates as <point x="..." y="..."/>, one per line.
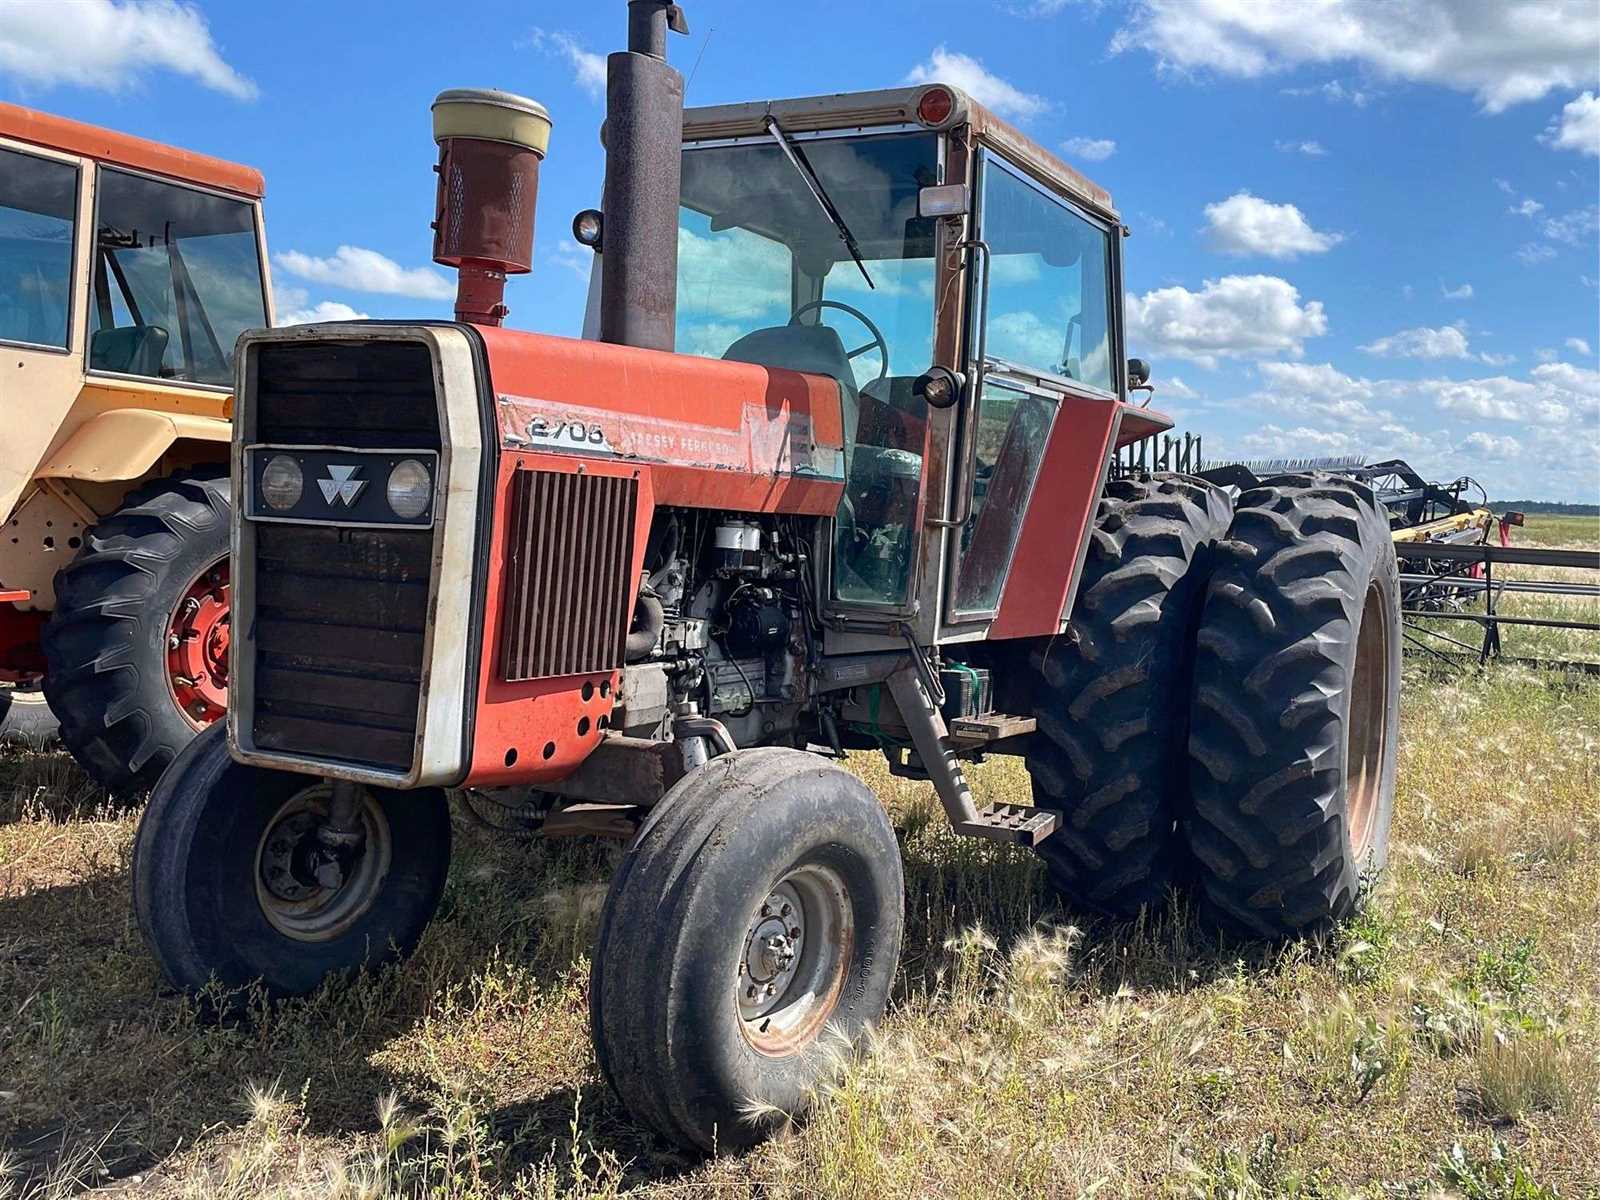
<point x="292" y="900"/>
<point x="793" y="960"/>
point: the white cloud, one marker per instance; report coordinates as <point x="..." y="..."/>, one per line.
<point x="325" y="310"/>
<point x="1579" y="346"/>
<point x="1464" y="292"/>
<point x="1578" y="126"/>
<point x="1531" y="254"/>
<point x="1334" y="92"/>
<point x="570" y="256"/>
<point x="588" y="68"/>
<point x="1093" y="149"/>
<point x="1309" y="148"/>
<point x="292" y="306"/>
<point x="1497" y="360"/>
<point x="1246" y="224"/>
<point x="1175" y="386"/>
<point x="968" y="74"/>
<point x="1574" y="227"/>
<point x="1505" y="186"/>
<point x="1490" y="446"/>
<point x="1528" y="208"/>
<point x="363" y="270"/>
<point x="1504" y="52"/>
<point x="1050" y="8"/>
<point x="110" y="45"/>
<point x="1237" y="316"/>
<point x="1449" y="341"/>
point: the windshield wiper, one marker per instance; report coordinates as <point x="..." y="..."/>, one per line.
<point x="802" y="164"/>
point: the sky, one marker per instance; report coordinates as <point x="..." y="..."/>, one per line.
<point x="1359" y="227"/>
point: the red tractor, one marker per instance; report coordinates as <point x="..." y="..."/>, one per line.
<point x="864" y="504"/>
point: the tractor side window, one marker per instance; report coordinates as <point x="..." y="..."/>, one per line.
<point x="177" y="279"/>
<point x="1049" y="282"/>
<point x="1013" y="427"/>
<point x="38" y="215"/>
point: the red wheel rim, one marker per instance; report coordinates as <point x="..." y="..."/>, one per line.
<point x="197" y="647"/>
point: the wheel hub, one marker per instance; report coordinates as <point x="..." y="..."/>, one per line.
<point x="772" y="948"/>
<point x="312" y="890"/>
<point x="792" y="960"/>
<point x="198" y="639"/>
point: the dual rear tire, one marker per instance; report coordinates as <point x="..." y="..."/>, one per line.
<point x="1223" y="718"/>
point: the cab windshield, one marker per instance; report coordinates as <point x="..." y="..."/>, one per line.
<point x="764" y="276"/>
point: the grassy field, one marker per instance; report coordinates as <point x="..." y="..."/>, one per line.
<point x="1447" y="1043"/>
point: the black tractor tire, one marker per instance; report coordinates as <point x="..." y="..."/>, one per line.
<point x="26" y="719"/>
<point x="1112" y="698"/>
<point x="672" y="963"/>
<point x="1294" y="733"/>
<point x="201" y="893"/>
<point x="105" y="645"/>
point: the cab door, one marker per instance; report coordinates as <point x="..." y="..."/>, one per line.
<point x="1043" y="359"/>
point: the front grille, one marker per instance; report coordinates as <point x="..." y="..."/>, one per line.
<point x="377" y="395"/>
<point x="569" y="587"/>
<point x="341" y="611"/>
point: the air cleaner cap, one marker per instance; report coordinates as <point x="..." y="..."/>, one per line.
<point x="491" y="115"/>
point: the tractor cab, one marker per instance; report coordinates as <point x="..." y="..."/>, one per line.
<point x="954" y="278"/>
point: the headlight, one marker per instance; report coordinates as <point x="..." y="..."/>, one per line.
<point x="281" y="482"/>
<point x="410" y="489"/>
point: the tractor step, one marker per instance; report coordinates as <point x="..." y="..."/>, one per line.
<point x="966" y="732"/>
<point x="1018" y="823"/>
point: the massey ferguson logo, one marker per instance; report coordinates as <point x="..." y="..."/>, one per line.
<point x="341" y="487"/>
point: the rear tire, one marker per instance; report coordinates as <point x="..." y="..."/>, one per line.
<point x="1295" y="726"/>
<point x="1112" y="700"/>
<point x="202" y="862"/>
<point x="677" y="1031"/>
<point x="105" y="646"/>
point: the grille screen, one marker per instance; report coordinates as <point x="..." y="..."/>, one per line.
<point x="340" y="611"/>
<point x="569" y="586"/>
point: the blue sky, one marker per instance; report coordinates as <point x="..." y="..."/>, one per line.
<point x="1360" y="226"/>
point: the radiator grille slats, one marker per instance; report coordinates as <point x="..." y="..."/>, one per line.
<point x="569" y="593"/>
<point x="340" y="613"/>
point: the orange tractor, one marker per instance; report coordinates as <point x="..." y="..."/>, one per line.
<point x="127" y="271"/>
<point x="833" y="476"/>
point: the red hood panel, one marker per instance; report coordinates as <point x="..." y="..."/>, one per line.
<point x="715" y="434"/>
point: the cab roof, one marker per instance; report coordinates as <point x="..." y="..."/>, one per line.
<point x="897" y="107"/>
<point x="125" y="150"/>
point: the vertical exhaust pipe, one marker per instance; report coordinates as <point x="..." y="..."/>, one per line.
<point x="644" y="139"/>
<point x="490" y="146"/>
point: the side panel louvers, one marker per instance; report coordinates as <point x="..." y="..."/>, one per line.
<point x="569" y="585"/>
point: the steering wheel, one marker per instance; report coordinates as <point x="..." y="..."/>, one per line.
<point x="877" y="341"/>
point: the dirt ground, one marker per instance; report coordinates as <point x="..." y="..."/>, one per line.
<point x="1447" y="1042"/>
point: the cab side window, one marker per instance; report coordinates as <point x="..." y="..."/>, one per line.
<point x="177" y="279"/>
<point x="38" y="215"/>
<point x="1049" y="282"/>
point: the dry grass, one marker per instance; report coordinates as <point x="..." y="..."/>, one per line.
<point x="1446" y="1043"/>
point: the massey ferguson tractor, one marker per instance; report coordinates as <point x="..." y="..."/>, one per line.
<point x="127" y="271"/>
<point x="833" y="477"/>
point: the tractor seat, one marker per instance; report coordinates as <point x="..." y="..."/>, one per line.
<point x="814" y="349"/>
<point x="129" y="350"/>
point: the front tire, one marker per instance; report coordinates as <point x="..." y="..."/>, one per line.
<point x="26" y="719"/>
<point x="223" y="885"/>
<point x="712" y="1017"/>
<point x="131" y="671"/>
<point x="1294" y="732"/>
<point x="1112" y="701"/>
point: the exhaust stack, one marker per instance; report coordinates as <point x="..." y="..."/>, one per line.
<point x="644" y="139"/>
<point x="490" y="147"/>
